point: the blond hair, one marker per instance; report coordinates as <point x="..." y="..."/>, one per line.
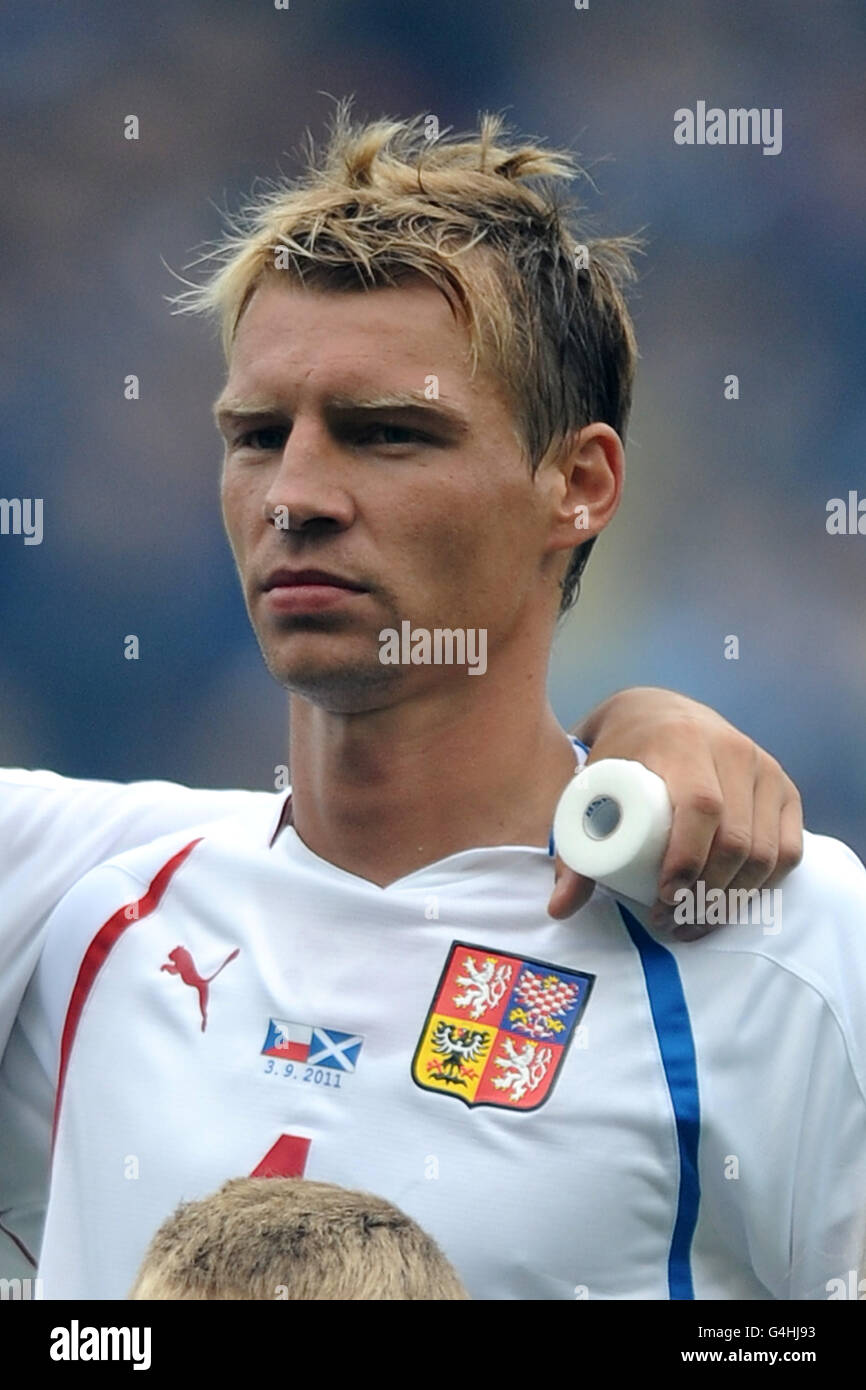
<point x="482" y="217"/>
<point x="287" y="1238"/>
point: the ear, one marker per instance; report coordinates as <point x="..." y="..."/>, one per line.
<point x="585" y="482"/>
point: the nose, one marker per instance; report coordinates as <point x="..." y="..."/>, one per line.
<point x="307" y="488"/>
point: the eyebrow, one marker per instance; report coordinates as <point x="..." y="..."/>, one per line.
<point x="228" y="408"/>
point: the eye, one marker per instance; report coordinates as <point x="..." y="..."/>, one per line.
<point x="383" y="433"/>
<point x="266" y="438"/>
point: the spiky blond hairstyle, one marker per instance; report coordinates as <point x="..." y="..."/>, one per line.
<point x="483" y="218"/>
<point x="288" y="1238"/>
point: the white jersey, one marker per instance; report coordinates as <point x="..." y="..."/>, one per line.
<point x="572" y="1109"/>
<point x="54" y="830"/>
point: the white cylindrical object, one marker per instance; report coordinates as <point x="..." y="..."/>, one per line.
<point x="612" y="824"/>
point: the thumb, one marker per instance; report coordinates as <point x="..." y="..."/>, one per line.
<point x="571" y="891"/>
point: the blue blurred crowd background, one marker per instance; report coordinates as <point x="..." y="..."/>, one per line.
<point x="754" y="267"/>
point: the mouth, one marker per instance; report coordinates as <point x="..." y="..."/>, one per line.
<point x="293" y="591"/>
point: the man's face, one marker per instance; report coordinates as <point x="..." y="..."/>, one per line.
<point x="427" y="506"/>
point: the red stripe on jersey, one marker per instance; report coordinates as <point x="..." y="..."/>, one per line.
<point x="97" y="953"/>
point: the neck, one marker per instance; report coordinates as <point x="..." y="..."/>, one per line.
<point x="384" y="793"/>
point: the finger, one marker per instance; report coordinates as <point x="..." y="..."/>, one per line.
<point x="789" y="850"/>
<point x="790" y="837"/>
<point x="761" y="860"/>
<point x="696" y="797"/>
<point x="570" y="891"/>
<point x="732" y="842"/>
<point x="692" y="933"/>
<point x="665" y="919"/>
<point x="662" y="914"/>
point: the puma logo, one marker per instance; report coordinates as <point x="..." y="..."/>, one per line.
<point x="181" y="963"/>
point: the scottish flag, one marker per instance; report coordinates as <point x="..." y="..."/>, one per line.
<point x="328" y="1048"/>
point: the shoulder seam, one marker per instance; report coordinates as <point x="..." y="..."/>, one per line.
<point x="815" y="988"/>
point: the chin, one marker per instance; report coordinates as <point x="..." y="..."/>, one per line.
<point x="341" y="687"/>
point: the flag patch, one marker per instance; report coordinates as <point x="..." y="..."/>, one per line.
<point x="318" y="1047"/>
